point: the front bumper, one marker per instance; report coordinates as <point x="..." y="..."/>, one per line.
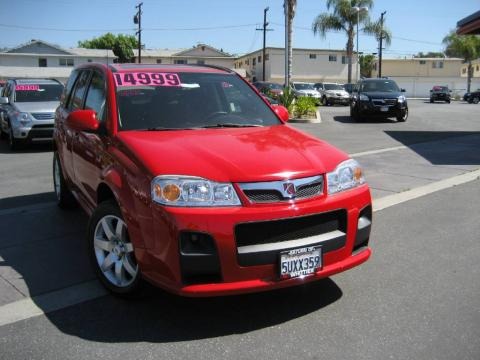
<point x="34" y="133"/>
<point x="339" y="100"/>
<point x="163" y="263"/>
<point x="368" y="108"/>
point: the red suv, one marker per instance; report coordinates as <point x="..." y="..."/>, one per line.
<point x="196" y="184"/>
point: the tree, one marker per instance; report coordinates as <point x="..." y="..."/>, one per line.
<point x="121" y="45"/>
<point x="430" y="54"/>
<point x="466" y="47"/>
<point x="366" y="65"/>
<point x="290" y="6"/>
<point x="344" y="18"/>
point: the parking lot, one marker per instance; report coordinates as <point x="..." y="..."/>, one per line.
<point x="417" y="298"/>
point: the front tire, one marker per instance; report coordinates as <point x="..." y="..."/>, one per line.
<point x="403" y="115"/>
<point x="476" y="100"/>
<point x="111" y="251"/>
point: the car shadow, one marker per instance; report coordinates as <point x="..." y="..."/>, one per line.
<point x="373" y="120"/>
<point x="28" y="149"/>
<point x="442" y="147"/>
<point x="51" y="254"/>
<point x="436" y="102"/>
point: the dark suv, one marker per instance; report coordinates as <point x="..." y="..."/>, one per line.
<point x="378" y="98"/>
<point x="440" y="93"/>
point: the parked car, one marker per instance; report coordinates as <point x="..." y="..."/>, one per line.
<point x="379" y="98"/>
<point x="472" y="97"/>
<point x="195" y="184"/>
<point x="305" y="89"/>
<point x="29" y="108"/>
<point x="440" y="93"/>
<point x="349" y="87"/>
<point x="332" y="93"/>
<point x="274" y="89"/>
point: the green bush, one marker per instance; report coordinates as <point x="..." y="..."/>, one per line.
<point x="305" y="106"/>
<point x="287" y="99"/>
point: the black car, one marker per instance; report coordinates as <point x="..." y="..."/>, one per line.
<point x="440" y="93"/>
<point x="378" y="98"/>
<point x="472" y="97"/>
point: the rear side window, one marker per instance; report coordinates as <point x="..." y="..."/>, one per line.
<point x="76" y="101"/>
<point x="96" y="96"/>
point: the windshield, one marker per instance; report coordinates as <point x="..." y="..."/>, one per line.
<point x="38" y="93"/>
<point x="303" y="86"/>
<point x="380" y="86"/>
<point x="333" y="87"/>
<point x="188" y="100"/>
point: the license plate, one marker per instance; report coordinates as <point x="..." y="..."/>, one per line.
<point x="384" y="108"/>
<point x="300" y="262"/>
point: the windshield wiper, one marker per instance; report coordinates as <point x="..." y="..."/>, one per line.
<point x="229" y="125"/>
<point x="159" y="128"/>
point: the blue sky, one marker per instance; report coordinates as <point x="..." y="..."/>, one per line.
<point x="416" y="25"/>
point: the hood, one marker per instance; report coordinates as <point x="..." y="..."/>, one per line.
<point x="383" y="95"/>
<point x="37" y="107"/>
<point x="337" y="92"/>
<point x="232" y="155"/>
<point x="315" y="92"/>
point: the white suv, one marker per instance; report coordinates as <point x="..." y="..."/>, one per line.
<point x="29" y="110"/>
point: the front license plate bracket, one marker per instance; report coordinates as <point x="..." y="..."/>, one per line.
<point x="300" y="262"/>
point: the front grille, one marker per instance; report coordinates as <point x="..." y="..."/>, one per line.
<point x="274" y="191"/>
<point x="381" y="102"/>
<point x="44" y="116"/>
<point x="254" y="240"/>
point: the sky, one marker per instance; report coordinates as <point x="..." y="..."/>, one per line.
<point x="416" y="25"/>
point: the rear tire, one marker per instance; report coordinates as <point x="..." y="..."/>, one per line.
<point x="112" y="253"/>
<point x="65" y="198"/>
<point x="431" y="101"/>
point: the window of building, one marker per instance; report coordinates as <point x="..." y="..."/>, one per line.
<point x="180" y="62"/>
<point x="267" y="57"/>
<point x="200" y="62"/>
<point x="42" y="62"/>
<point x="437" y="64"/>
<point x="259" y="59"/>
<point x="254" y="61"/>
<point x="66" y="62"/>
<point x="159" y="61"/>
<point x="312" y="56"/>
<point x="344" y="59"/>
<point x="332" y="57"/>
<point x="477" y="67"/>
<point x="464" y="71"/>
<point x="422" y="62"/>
<point x="247" y="62"/>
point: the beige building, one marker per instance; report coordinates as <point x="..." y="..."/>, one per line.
<point x="418" y="75"/>
<point x="309" y="65"/>
<point x="201" y="54"/>
<point x="476" y="69"/>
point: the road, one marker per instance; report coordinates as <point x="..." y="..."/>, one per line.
<point x="417" y="298"/>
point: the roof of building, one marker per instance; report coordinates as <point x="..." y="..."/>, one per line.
<point x="469" y="25"/>
<point x="342" y="51"/>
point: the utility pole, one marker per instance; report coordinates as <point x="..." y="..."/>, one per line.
<point x="380" y="45"/>
<point x="264" y="29"/>
<point x="285" y="8"/>
<point x="137" y="19"/>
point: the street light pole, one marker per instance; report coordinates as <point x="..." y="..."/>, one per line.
<point x="358" y="9"/>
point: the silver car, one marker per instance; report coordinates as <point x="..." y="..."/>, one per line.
<point x="333" y="93"/>
<point x="29" y="110"/>
<point x="305" y="89"/>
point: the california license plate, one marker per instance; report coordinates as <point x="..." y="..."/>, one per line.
<point x="300" y="262"/>
<point x="384" y="108"/>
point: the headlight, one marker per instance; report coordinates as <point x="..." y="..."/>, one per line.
<point x="192" y="191"/>
<point x="363" y="97"/>
<point x="346" y="175"/>
<point x="23" y="118"/>
<point x="401" y="99"/>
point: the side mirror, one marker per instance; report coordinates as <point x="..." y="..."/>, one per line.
<point x="83" y="120"/>
<point x="4" y="100"/>
<point x="402" y="90"/>
<point x="282" y="113"/>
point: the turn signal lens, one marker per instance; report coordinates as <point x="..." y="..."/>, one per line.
<point x="171" y="192"/>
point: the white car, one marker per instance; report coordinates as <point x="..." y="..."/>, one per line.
<point x="305" y="89"/>
<point x="332" y="93"/>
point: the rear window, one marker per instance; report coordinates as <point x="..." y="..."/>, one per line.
<point x="187" y="100"/>
<point x="38" y="92"/>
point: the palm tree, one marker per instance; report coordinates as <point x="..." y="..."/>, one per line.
<point x="290" y="6"/>
<point x="465" y="46"/>
<point x="343" y="17"/>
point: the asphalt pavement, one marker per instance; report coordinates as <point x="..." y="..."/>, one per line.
<point x="417" y="298"/>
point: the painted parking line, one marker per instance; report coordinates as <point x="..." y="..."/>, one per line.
<point x="76" y="294"/>
<point x="378" y="151"/>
